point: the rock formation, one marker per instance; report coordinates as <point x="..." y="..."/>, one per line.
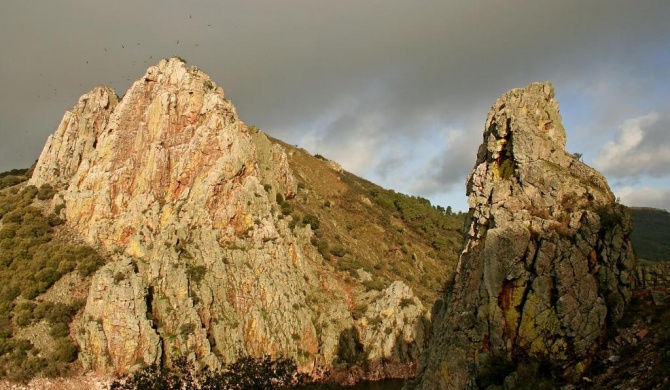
<point x="547" y="261"/>
<point x="75" y="137"/>
<point x="182" y="195"/>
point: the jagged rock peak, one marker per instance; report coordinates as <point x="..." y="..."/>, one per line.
<point x="75" y="137"/>
<point x="182" y="197"/>
<point x="531" y="116"/>
<point x="547" y="261"/>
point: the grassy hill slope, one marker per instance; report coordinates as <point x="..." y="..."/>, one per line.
<point x="363" y="226"/>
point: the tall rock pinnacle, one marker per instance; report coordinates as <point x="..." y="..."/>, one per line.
<point x="546" y="265"/>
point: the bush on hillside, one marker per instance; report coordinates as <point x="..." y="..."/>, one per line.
<point x="247" y="373"/>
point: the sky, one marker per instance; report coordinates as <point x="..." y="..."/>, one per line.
<point x="396" y="91"/>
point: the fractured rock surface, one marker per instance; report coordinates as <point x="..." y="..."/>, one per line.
<point x="75" y="138"/>
<point x="182" y="195"/>
<point x="547" y="262"/>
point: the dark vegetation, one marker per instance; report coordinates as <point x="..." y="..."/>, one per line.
<point x="524" y="375"/>
<point x="431" y="223"/>
<point x="651" y="233"/>
<point x="350" y="350"/>
<point x="245" y="374"/>
<point x="641" y="343"/>
<point x="14" y="177"/>
<point x="32" y="259"/>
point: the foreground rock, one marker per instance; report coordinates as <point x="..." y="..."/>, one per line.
<point x="183" y="196"/>
<point x="547" y="262"/>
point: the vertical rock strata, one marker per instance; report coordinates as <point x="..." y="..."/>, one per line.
<point x="547" y="261"/>
<point x="182" y="195"/>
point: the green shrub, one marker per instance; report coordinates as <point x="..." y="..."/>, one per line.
<point x="46" y="191"/>
<point x="406" y="302"/>
<point x="609" y="217"/>
<point x="286" y="208"/>
<point x="375" y="284"/>
<point x="59" y="330"/>
<point x="23" y="314"/>
<point x="64" y="351"/>
<point x="385" y="203"/>
<point x="311" y="220"/>
<point x="60" y="313"/>
<point x="58" y="208"/>
<point x="338" y="250"/>
<point x="42" y="309"/>
<point x="119" y="277"/>
<point x="322" y="247"/>
<point x="196" y="273"/>
<point x="359" y="311"/>
<point x="186" y="329"/>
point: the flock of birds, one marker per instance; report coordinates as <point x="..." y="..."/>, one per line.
<point x="144" y="60"/>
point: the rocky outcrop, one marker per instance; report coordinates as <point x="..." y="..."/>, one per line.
<point x="118" y="321"/>
<point x="183" y="197"/>
<point x="75" y="138"/>
<point x="547" y="262"/>
<point x="394" y="331"/>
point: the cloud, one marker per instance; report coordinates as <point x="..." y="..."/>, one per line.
<point x="447" y="170"/>
<point x="645" y="197"/>
<point x="641" y="148"/>
<point x="363" y="83"/>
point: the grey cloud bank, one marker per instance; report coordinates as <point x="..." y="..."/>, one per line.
<point x="395" y="91"/>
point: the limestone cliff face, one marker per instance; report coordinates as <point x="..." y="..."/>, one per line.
<point x="547" y="261"/>
<point x="182" y="195"/>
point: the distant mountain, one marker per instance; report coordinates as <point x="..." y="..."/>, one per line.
<point x="651" y="233"/>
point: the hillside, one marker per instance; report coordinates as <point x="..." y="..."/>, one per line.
<point x="390" y="235"/>
<point x="159" y="225"/>
<point x="651" y="233"/>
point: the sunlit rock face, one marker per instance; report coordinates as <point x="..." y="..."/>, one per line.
<point x="182" y="196"/>
<point x="75" y="138"/>
<point x="547" y="261"/>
